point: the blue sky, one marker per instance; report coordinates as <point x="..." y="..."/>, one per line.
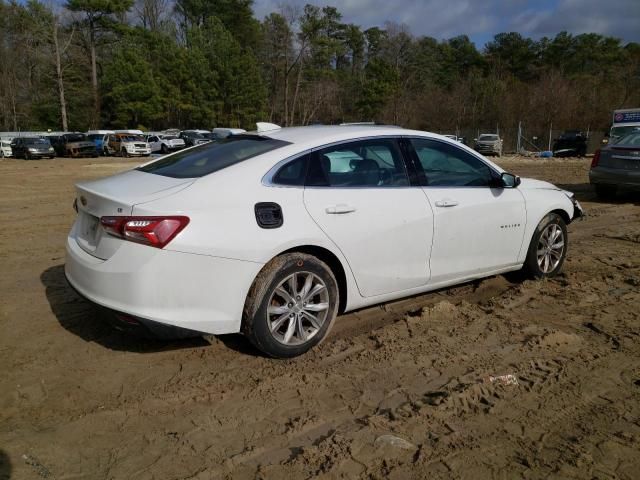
<point x="482" y="19"/>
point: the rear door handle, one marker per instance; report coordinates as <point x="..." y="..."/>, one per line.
<point x="446" y="203"/>
<point x="339" y="209"/>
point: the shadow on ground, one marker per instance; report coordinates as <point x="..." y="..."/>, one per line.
<point x="584" y="192"/>
<point x="83" y="319"/>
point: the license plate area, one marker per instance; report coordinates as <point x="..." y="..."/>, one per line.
<point x="89" y="227"/>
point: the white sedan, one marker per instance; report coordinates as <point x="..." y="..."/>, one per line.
<point x="273" y="234"/>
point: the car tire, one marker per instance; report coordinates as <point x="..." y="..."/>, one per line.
<point x="124" y="153"/>
<point x="164" y="149"/>
<point x="604" y="191"/>
<point x="548" y="247"/>
<point x="278" y="319"/>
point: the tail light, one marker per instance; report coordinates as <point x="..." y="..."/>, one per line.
<point x="153" y="231"/>
<point x="595" y="159"/>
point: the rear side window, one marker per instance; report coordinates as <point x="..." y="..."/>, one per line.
<point x="293" y="173"/>
<point x="365" y="163"/>
<point x="211" y="157"/>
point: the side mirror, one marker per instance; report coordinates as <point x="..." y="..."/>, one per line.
<point x="509" y="180"/>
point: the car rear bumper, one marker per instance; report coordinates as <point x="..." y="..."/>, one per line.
<point x="611" y="176"/>
<point x="195" y="292"/>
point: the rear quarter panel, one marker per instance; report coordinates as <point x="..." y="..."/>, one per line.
<point x="223" y="222"/>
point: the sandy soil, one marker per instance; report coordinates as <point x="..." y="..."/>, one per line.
<point x="413" y="389"/>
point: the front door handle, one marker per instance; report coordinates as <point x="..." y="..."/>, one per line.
<point x="339" y="209"/>
<point x="446" y="203"/>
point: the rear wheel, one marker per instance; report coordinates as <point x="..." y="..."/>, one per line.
<point x="604" y="191"/>
<point x="291" y="305"/>
<point x="548" y="247"/>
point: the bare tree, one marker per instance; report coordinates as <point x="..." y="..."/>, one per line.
<point x="151" y="13"/>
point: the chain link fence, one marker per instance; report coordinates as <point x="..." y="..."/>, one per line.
<point x="531" y="140"/>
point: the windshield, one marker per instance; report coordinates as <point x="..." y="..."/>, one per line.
<point x="193" y="134"/>
<point x="169" y="137"/>
<point x="617" y="132"/>
<point x="632" y="140"/>
<point x="76" y="137"/>
<point x="131" y="138"/>
<point x="488" y="138"/>
<point x="211" y="157"/>
<point x="36" y="141"/>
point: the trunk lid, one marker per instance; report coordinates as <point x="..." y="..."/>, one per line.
<point x="116" y="195"/>
<point x="623" y="158"/>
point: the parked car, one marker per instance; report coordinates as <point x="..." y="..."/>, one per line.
<point x="165" y="143"/>
<point x="73" y="145"/>
<point x="32" y="147"/>
<point x="222" y="132"/>
<point x="616" y="165"/>
<point x="489" y="144"/>
<point x="100" y="138"/>
<point x="572" y="143"/>
<point x="272" y="236"/>
<point x="193" y="137"/>
<point x="5" y="148"/>
<point x="128" y="145"/>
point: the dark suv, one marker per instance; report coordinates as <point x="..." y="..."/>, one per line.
<point x="31" y="147"/>
<point x="192" y="138"/>
<point x="572" y="143"/>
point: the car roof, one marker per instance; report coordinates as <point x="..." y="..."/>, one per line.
<point x="316" y="135"/>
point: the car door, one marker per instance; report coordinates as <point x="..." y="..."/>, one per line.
<point x="359" y="194"/>
<point x="478" y="224"/>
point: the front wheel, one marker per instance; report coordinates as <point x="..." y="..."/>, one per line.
<point x="164" y="149"/>
<point x="548" y="247"/>
<point x="291" y="305"/>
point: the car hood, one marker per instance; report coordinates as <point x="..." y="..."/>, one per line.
<point x="533" y="184"/>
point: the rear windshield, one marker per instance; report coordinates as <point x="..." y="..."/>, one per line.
<point x="489" y="138"/>
<point x="36" y="141"/>
<point x="211" y="157"/>
<point x="630" y="140"/>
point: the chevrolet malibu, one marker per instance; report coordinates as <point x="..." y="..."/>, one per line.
<point x="275" y="233"/>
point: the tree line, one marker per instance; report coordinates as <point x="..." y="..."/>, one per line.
<point x="157" y="64"/>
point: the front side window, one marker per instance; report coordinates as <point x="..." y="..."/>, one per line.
<point x="365" y="163"/>
<point x="211" y="157"/>
<point x="446" y="165"/>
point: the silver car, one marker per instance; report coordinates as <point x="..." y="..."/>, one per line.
<point x="616" y="165"/>
<point x="489" y="144"/>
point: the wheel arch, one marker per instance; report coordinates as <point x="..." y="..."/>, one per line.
<point x="563" y="214"/>
<point x="333" y="262"/>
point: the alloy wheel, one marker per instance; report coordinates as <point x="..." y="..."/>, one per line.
<point x="550" y="248"/>
<point x="298" y="308"/>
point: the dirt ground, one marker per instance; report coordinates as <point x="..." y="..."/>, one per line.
<point x="411" y="389"/>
